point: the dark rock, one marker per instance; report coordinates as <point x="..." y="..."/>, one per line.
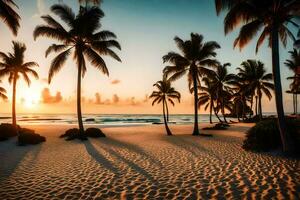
<point x="7" y="131"/>
<point x="90" y="120"/>
<point x="94" y="133"/>
<point x="27" y="136"/>
<point x="72" y="134"/>
<point x="219" y="126"/>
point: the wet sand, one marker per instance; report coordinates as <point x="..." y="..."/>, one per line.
<point x="143" y="163"/>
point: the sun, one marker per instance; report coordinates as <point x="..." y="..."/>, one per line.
<point x="31" y="100"/>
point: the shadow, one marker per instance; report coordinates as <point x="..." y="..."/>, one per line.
<point x="13" y="155"/>
<point x="100" y="159"/>
<point x="105" y="145"/>
<point x="183" y="142"/>
<point x="132" y="148"/>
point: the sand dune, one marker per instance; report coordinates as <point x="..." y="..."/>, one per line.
<point x="143" y="163"/>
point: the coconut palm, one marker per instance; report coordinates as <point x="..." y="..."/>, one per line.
<point x="294" y="65"/>
<point x="273" y="16"/>
<point x="240" y="97"/>
<point x="222" y="79"/>
<point x="253" y="74"/>
<point x="194" y="56"/>
<point x="207" y="96"/>
<point x="165" y="93"/>
<point x="9" y="16"/>
<point x="83" y="39"/>
<point x="14" y="66"/>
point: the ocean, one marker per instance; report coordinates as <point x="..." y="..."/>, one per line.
<point x="104" y="119"/>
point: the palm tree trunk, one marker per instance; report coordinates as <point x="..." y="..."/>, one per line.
<point x="210" y="111"/>
<point x="217" y="115"/>
<point x="285" y="139"/>
<point x="256" y="106"/>
<point x="251" y="105"/>
<point x="79" y="115"/>
<point x="296" y="102"/>
<point x="167" y="109"/>
<point x="165" y="105"/>
<point x="260" y="108"/>
<point x="294" y="105"/>
<point x="196" y="129"/>
<point x="223" y="110"/>
<point x="14" y="118"/>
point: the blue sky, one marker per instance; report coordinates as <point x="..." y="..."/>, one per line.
<point x="145" y="29"/>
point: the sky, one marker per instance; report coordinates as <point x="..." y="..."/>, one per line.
<point x="145" y="30"/>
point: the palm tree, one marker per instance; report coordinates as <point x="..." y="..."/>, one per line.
<point x="14" y="66"/>
<point x="9" y="16"/>
<point x="294" y="65"/>
<point x="165" y="93"/>
<point x="83" y="39"/>
<point x="3" y="93"/>
<point x="273" y="17"/>
<point x="222" y="79"/>
<point x="240" y="97"/>
<point x="195" y="55"/>
<point x="94" y="2"/>
<point x="253" y="74"/>
<point x="207" y="96"/>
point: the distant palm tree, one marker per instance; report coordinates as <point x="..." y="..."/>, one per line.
<point x="253" y="73"/>
<point x="207" y="96"/>
<point x="14" y="66"/>
<point x="9" y="16"/>
<point x="3" y="93"/>
<point x="94" y="2"/>
<point x="222" y="79"/>
<point x="240" y="97"/>
<point x="272" y="16"/>
<point x="195" y="56"/>
<point x="82" y="39"/>
<point x="165" y="93"/>
<point x="294" y="65"/>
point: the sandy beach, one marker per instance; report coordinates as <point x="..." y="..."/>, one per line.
<point x="143" y="163"/>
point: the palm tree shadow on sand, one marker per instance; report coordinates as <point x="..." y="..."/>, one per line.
<point x="107" y="147"/>
<point x="17" y="156"/>
<point x="183" y="142"/>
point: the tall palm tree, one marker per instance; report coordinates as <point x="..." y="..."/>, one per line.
<point x="240" y="97"/>
<point x="9" y="16"/>
<point x="207" y="96"/>
<point x="83" y="39"/>
<point x="294" y="65"/>
<point x="272" y="16"/>
<point x="194" y="56"/>
<point x="165" y="93"/>
<point x="253" y="73"/>
<point x="14" y="66"/>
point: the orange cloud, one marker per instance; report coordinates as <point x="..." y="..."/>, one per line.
<point x="116" y="81"/>
<point x="47" y="98"/>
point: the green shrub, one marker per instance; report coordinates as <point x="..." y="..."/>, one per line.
<point x="265" y="135"/>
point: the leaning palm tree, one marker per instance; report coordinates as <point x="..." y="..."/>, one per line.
<point x="14" y="66"/>
<point x="253" y="73"/>
<point x="195" y="56"/>
<point x="9" y="16"/>
<point x="83" y="39"/>
<point x="165" y="93"/>
<point x="272" y="16"/>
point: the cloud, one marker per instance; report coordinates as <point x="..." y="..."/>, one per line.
<point x="47" y="98"/>
<point x="41" y="8"/>
<point x="115" y="82"/>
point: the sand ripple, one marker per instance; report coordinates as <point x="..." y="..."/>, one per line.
<point x="144" y="166"/>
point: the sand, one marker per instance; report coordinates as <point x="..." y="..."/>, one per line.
<point x="142" y="163"/>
